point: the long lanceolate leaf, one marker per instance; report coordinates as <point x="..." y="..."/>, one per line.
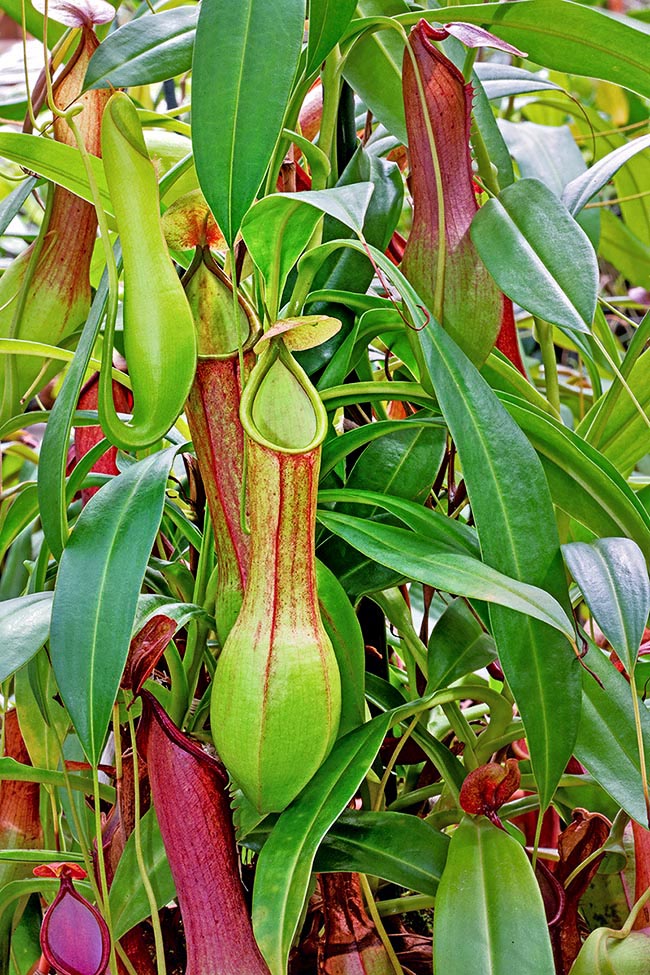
<point x="285" y="863"/>
<point x="514" y="517"/>
<point x="96" y="596"/>
<point x="613" y="577"/>
<point x="54" y="452"/>
<point x="245" y="57"/>
<point x="444" y="569"/>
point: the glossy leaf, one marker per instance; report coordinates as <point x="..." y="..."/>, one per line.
<point x="374" y="66"/>
<point x="538" y="255"/>
<point x="145" y="50"/>
<point x="607" y="743"/>
<point x="458" y="645"/>
<point x="583" y="483"/>
<point x="342" y="627"/>
<point x="516" y="526"/>
<point x="580" y="190"/>
<point x="327" y="21"/>
<point x="285" y="863"/>
<point x="236" y="62"/>
<point x="97" y="589"/>
<point x="24" y="628"/>
<point x="55" y="161"/>
<point x="414" y="557"/>
<point x="613" y="577"/>
<point x="402" y="849"/>
<point x="54" y="450"/>
<point x="481" y="924"/>
<point x="278" y="228"/>
<point x="504" y="80"/>
<point x="337" y="448"/>
<point x="567" y="37"/>
<point x="128" y="900"/>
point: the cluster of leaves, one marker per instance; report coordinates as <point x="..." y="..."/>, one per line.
<point x="464" y="190"/>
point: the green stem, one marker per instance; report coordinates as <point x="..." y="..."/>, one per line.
<point x="376" y="806"/>
<point x="392" y="603"/>
<point x="381" y="931"/>
<point x="103" y="882"/>
<point x="401" y="905"/>
<point x="331" y="81"/>
<point x="161" y="967"/>
<point x="640" y="745"/>
<point x="485" y="167"/>
<point x="544" y="333"/>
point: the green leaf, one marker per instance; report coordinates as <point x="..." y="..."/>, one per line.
<point x="538" y="255"/>
<point x="583" y="483"/>
<point x="403" y="464"/>
<point x="128" y="899"/>
<point x="483" y="924"/>
<point x="327" y="21"/>
<point x="440" y="530"/>
<point x="565" y="36"/>
<point x="148" y="49"/>
<point x="54" y="450"/>
<point x="56" y="161"/>
<point x="100" y="574"/>
<point x="607" y="742"/>
<point x="614" y="424"/>
<point x="613" y="577"/>
<point x="402" y="849"/>
<point x="374" y="66"/>
<point x="550" y="154"/>
<point x="580" y="190"/>
<point x="514" y="516"/>
<point x="458" y="646"/>
<point x="388" y="698"/>
<point x="285" y="863"/>
<point x="278" y="227"/>
<point x="24" y="628"/>
<point x="18" y="513"/>
<point x="152" y="604"/>
<point x="337" y="448"/>
<point x="12" y="203"/>
<point x="343" y="629"/>
<point x="505" y="80"/>
<point x="245" y="58"/>
<point x="415" y="558"/>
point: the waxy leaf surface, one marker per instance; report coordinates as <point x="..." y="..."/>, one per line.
<point x="516" y="526"/>
<point x="245" y="57"/>
<point x="96" y="596"/>
<point x="538" y="255"/>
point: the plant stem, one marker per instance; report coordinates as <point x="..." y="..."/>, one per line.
<point x="381" y="931"/>
<point x="161" y="966"/>
<point x="544" y="334"/>
<point x="106" y="907"/>
<point x="401" y="905"/>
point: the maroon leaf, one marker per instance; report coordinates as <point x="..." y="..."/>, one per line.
<point x="190" y="795"/>
<point x="586" y="834"/>
<point x="472" y="36"/>
<point x="146" y="649"/>
<point x="440" y="259"/>
<point x="74" y="935"/>
<point x="487" y="787"/>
